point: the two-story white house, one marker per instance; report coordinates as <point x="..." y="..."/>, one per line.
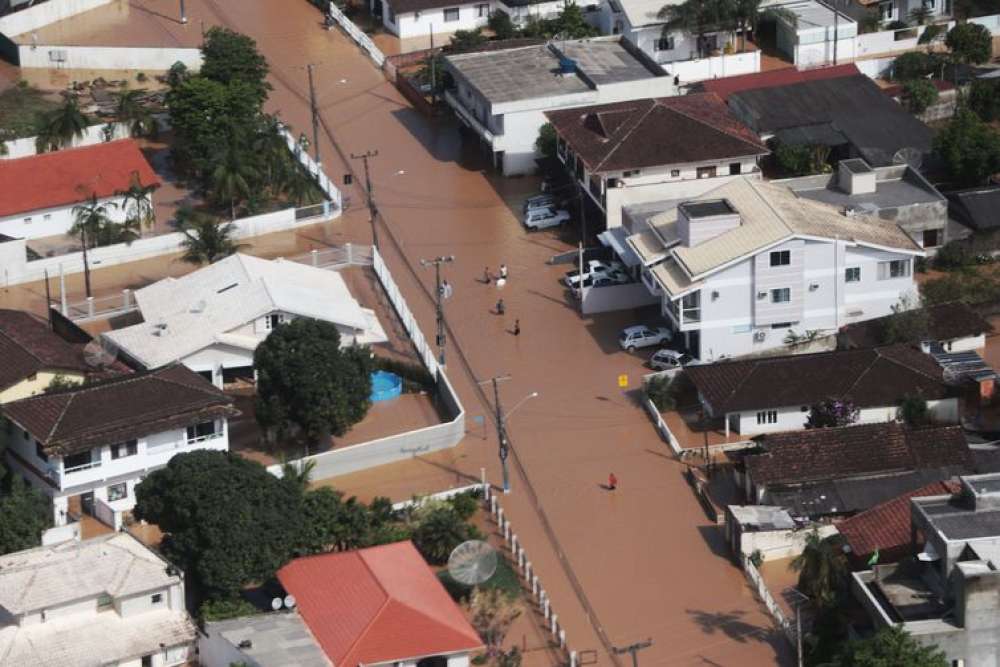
<point x="502" y="96"/>
<point x="87" y="447"/>
<point x="213" y="319"/>
<point x="649" y="150"/>
<point x="410" y="19"/>
<point x="106" y="601"/>
<point x="743" y="265"/>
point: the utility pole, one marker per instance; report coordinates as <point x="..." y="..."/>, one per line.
<point x="836" y="31"/>
<point x="633" y="649"/>
<point x="800" y="597"/>
<point x="504" y="452"/>
<point x="370" y="193"/>
<point x="442" y="292"/>
<point x="315" y="112"/>
<point x="433" y="58"/>
<point x="184" y="18"/>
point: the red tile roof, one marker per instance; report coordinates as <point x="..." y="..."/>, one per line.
<point x="70" y="176"/>
<point x="780" y="77"/>
<point x="886" y="527"/>
<point x="377" y="605"/>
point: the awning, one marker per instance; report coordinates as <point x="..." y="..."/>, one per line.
<point x="615" y="239"/>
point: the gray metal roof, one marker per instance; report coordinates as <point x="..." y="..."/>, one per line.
<point x="895" y="187"/>
<point x="278" y="639"/>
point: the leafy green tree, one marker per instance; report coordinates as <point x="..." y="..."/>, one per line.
<point x="464" y="41"/>
<point x="220" y="609"/>
<point x="801" y="159"/>
<point x="832" y="413"/>
<point x="233" y="174"/>
<point x="177" y="73"/>
<point x="969" y="149"/>
<point x="307" y="383"/>
<point x="919" y="95"/>
<point x="571" y="24"/>
<point x="438" y="533"/>
<point x="230" y="57"/>
<point x="129" y="109"/>
<point x="908" y="323"/>
<point x="59" y="127"/>
<point x="822" y="568"/>
<point x="914" y="65"/>
<point x="545" y="144"/>
<point x="889" y="646"/>
<point x="24" y="515"/>
<point x="932" y="33"/>
<point x="984" y="99"/>
<point x="698" y="18"/>
<point x="206" y="240"/>
<point x="913" y="410"/>
<point x="970" y="43"/>
<point x="501" y="25"/>
<point x="227" y="520"/>
<point x="90" y="224"/>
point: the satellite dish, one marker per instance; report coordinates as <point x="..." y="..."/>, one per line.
<point x="276" y="604"/>
<point x="472" y="562"/>
<point x="100" y="354"/>
<point x="909" y="156"/>
<point x="290" y="601"/>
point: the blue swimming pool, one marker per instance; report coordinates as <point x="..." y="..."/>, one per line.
<point x="385" y="385"/>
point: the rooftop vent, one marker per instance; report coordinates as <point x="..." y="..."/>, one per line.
<point x="855" y="177"/>
<point x="199" y="306"/>
<point x="699" y="221"/>
<point x="567" y="66"/>
<point x="246" y="643"/>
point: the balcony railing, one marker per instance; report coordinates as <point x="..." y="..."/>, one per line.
<point x="85" y="466"/>
<point x="204" y="438"/>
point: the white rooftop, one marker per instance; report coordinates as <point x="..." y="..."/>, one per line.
<point x="49" y="576"/>
<point x="643" y="12"/>
<point x="184" y="315"/>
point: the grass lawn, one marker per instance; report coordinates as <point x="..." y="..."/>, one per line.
<point x="18" y="108"/>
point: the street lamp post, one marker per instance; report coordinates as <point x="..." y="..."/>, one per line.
<point x="442" y="292"/>
<point x="501" y="420"/>
<point x="184" y="18"/>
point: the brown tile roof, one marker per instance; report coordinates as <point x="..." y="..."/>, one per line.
<point x="886" y="527"/>
<point x="945" y="321"/>
<point x="820" y="454"/>
<point x="654" y="132"/>
<point x="27" y="345"/>
<point x="77" y="419"/>
<point x="870" y="377"/>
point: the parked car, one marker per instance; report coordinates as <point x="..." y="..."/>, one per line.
<point x="665" y="360"/>
<point x="595" y="268"/>
<point x="642" y="336"/>
<point x="603" y="280"/>
<point x="539" y="201"/>
<point x="544" y="218"/>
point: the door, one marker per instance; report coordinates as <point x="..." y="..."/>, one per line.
<point x="87" y="502"/>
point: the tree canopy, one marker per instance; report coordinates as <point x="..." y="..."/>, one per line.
<point x="889" y="646"/>
<point x="24" y="514"/>
<point x="832" y="412"/>
<point x="969" y="148"/>
<point x="307" y="383"/>
<point x="970" y="43"/>
<point x="230" y="57"/>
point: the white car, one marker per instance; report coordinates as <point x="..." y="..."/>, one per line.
<point x="539" y="201"/>
<point x="642" y="336"/>
<point x="665" y="360"/>
<point x="544" y="218"/>
<point x="595" y="268"/>
<point x="603" y="280"/>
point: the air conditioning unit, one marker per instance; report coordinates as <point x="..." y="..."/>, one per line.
<point x="759" y="336"/>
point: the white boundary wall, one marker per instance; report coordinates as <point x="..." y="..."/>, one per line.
<point x="357" y="34"/>
<point x="42" y="15"/>
<point x="402" y="445"/>
<point x="149" y="59"/>
<point x="714" y="67"/>
<point x="94" y="134"/>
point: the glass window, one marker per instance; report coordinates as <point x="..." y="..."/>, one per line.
<point x="782" y="325"/>
<point x="631" y="172"/>
<point x="663" y="44"/>
<point x="897" y="268"/>
<point x="767" y="417"/>
<point x="741" y="329"/>
<point x="273" y="321"/>
<point x="852" y="274"/>
<point x="81" y="460"/>
<point x="932" y="238"/>
<point x="123" y="449"/>
<point x="156" y="598"/>
<point x="735" y="169"/>
<point x="675" y="173"/>
<point x="117" y="492"/>
<point x="781" y="295"/>
<point x="781" y="258"/>
<point x="451" y="14"/>
<point x="706" y="172"/>
<point x="202" y="431"/>
<point x="482" y="11"/>
<point x="886" y="11"/>
<point x="40" y="451"/>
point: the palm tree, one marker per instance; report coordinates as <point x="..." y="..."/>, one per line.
<point x="130" y="109"/>
<point x="298" y="474"/>
<point x="870" y="22"/>
<point x="57" y="128"/>
<point x="302" y="189"/>
<point x="921" y="14"/>
<point x="272" y="150"/>
<point x="90" y="224"/>
<point x="231" y="176"/>
<point x="697" y="17"/>
<point x="206" y="240"/>
<point x="138" y="205"/>
<point x="822" y="568"/>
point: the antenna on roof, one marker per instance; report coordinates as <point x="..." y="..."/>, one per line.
<point x="472" y="562"/>
<point x="100" y="354"/>
<point x="910" y="156"/>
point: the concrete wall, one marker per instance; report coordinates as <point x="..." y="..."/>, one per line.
<point x="793" y="418"/>
<point x="776" y="544"/>
<point x="93" y="134"/>
<point x="143" y="59"/>
<point x="616" y="297"/>
<point x="768" y="278"/>
<point x="56" y="221"/>
<point x="31" y="387"/>
<point x="43" y="14"/>
<point x="420" y="24"/>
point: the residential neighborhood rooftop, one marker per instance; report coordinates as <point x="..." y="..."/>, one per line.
<point x="279" y="639"/>
<point x="945" y="322"/>
<point x="895" y="186"/>
<point x="184" y="315"/>
<point x="726" y="86"/>
<point x="820" y="454"/>
<point x="653" y="132"/>
<point x="535" y="71"/>
<point x="977" y="207"/>
<point x="72" y="175"/>
<point x="76" y="419"/>
<point x="356" y="602"/>
<point x="28" y="345"/>
<point x="869" y="377"/>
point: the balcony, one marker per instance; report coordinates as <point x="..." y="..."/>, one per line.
<point x="203" y="438"/>
<point x="467" y="116"/>
<point x="78" y="468"/>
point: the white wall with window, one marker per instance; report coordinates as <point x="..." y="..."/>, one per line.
<point x="54" y="221"/>
<point x="442" y="21"/>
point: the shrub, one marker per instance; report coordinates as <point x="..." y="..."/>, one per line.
<point x="501" y="25"/>
<point x="984" y="99"/>
<point x="220" y="609"/>
<point x="970" y="43"/>
<point x="896" y="25"/>
<point x="661" y="392"/>
<point x="953" y="255"/>
<point x="913" y="410"/>
<point x="439" y="532"/>
<point x="913" y="65"/>
<point x="465" y="504"/>
<point x="918" y="95"/>
<point x="832" y="412"/>
<point x="545" y="144"/>
<point x="800" y="159"/>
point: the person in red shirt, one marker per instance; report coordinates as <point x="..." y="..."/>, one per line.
<point x="612" y="482"/>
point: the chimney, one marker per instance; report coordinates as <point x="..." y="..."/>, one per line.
<point x="855" y="177"/>
<point x="699" y="221"/>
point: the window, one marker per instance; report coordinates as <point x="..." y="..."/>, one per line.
<point x="47" y="216"/>
<point x="156" y="598"/>
<point x="390" y="15"/>
<point x="80" y="461"/>
<point x="675" y="173"/>
<point x="27" y="221"/>
<point x="897" y="268"/>
<point x="123" y="449"/>
<point x="105" y="602"/>
<point x="886" y="11"/>
<point x="147" y="661"/>
<point x="932" y="238"/>
<point x="273" y="321"/>
<point x="631" y="172"/>
<point x="663" y="44"/>
<point x="781" y="258"/>
<point x="741" y="329"/>
<point x="852" y="274"/>
<point x="767" y="417"/>
<point x="735" y="169"/>
<point x="202" y="431"/>
<point x="482" y="11"/>
<point x="782" y="325"/>
<point x="117" y="492"/>
<point x="706" y="172"/>
<point x="930" y="4"/>
<point x="451" y="14"/>
<point x="40" y="451"/>
<point x="781" y="295"/>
